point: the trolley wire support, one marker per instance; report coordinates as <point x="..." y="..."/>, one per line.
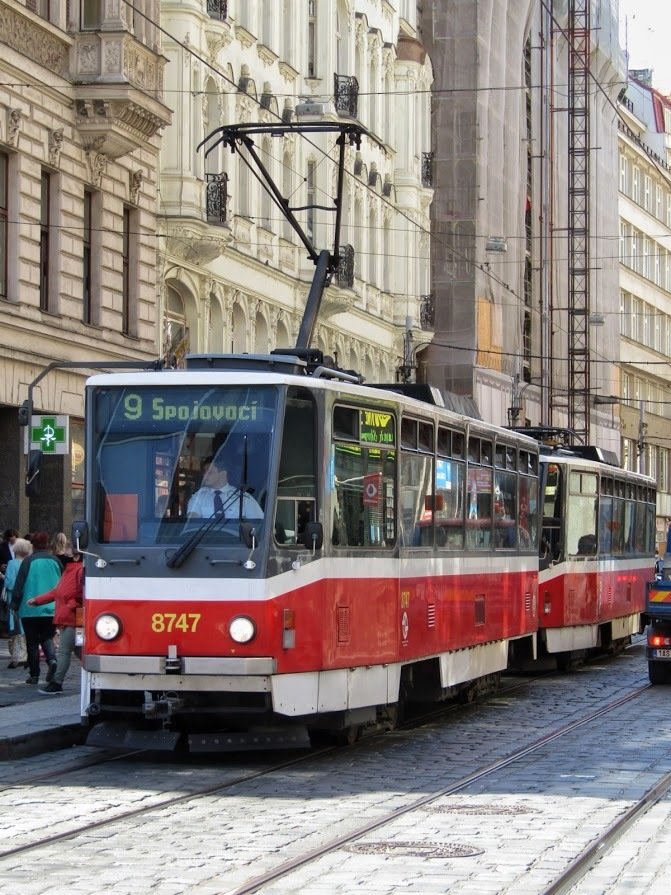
<point x="240" y="138"/>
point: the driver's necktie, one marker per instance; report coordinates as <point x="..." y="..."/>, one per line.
<point x="218" y="503"/>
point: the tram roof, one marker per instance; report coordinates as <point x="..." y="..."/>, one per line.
<point x="291" y="369"/>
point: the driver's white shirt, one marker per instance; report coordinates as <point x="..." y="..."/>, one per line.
<point x="202" y="503"/>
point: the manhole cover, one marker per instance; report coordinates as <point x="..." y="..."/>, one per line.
<point x="416" y="849"/>
<point x="481" y="809"/>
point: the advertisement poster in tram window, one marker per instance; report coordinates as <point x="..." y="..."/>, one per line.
<point x="479" y="486"/>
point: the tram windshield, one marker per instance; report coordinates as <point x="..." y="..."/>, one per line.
<point x="169" y="460"/>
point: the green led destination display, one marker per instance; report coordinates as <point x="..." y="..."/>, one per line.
<point x="377" y="427"/>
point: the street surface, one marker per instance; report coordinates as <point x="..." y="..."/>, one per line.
<point x="142" y="825"/>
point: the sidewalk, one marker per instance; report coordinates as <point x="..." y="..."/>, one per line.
<point x="30" y="722"/>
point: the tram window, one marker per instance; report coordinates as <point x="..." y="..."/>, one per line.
<point x="605" y="525"/>
<point x="505" y="509"/>
<point x="486" y="453"/>
<point x="473" y="450"/>
<point x="416" y="514"/>
<point x="617" y="545"/>
<point x="500" y="457"/>
<point x="296" y="484"/>
<point x="458" y="445"/>
<point x="409" y="434"/>
<point x="364" y="508"/>
<point x="629" y="527"/>
<point x="444" y="446"/>
<point x="346" y="423"/>
<point x="449" y="512"/>
<point x="425" y="437"/>
<point x="581" y="520"/>
<point x="528" y="512"/>
<point x="479" y="508"/>
<point x="291" y="518"/>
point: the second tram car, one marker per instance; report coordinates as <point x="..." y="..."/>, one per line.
<point x="361" y="550"/>
<point x="596" y="553"/>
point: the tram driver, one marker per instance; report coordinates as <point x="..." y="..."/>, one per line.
<point x="216" y="495"/>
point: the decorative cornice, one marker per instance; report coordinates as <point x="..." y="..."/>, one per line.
<point x="266" y="55"/>
<point x="288" y="72"/>
<point x="217" y="40"/>
<point x="245" y="37"/>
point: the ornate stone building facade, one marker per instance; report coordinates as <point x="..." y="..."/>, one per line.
<point x="81" y="114"/>
<point x="644" y="314"/>
<point x="503" y="117"/>
<point x="234" y="275"/>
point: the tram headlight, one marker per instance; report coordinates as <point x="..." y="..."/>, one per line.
<point x="242" y="629"/>
<point x="107" y="627"/>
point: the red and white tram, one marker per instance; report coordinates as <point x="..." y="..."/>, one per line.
<point x="596" y="552"/>
<point x="397" y="555"/>
<point x="366" y="549"/>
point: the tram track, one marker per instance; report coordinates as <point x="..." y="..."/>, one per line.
<point x="332" y="844"/>
<point x="596" y="850"/>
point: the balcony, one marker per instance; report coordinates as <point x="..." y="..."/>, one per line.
<point x="344" y="275"/>
<point x="346" y="94"/>
<point x="426" y="312"/>
<point x="216" y="197"/>
<point x="118" y="91"/>
<point x="427" y="169"/>
<point x="217" y="9"/>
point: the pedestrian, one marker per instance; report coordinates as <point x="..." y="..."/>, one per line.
<point x="9" y="536"/>
<point x="38" y="573"/>
<point x="61" y="548"/>
<point x="68" y="596"/>
<point x="17" y="639"/>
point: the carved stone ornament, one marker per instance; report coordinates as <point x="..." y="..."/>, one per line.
<point x="55" y="146"/>
<point x="34" y="40"/>
<point x="14" y="117"/>
<point x="97" y="164"/>
<point x="136" y="178"/>
<point x="195" y="244"/>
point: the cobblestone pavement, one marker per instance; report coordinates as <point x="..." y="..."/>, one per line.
<point x="13" y="687"/>
<point x="512" y="833"/>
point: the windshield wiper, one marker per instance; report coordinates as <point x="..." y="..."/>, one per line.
<point x="179" y="557"/>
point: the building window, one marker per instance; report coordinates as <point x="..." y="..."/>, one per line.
<point x="311" y="201"/>
<point x="41" y="7"/>
<point x="87" y="309"/>
<point x="91" y="15"/>
<point x="45" y="201"/>
<point x="3" y="224"/>
<point x="129" y="246"/>
<point x="312" y="39"/>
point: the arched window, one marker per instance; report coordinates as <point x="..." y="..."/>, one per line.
<point x="266" y="203"/>
<point x="175" y="331"/>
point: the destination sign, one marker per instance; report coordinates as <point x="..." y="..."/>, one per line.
<point x="161" y="409"/>
<point x="377" y="427"/>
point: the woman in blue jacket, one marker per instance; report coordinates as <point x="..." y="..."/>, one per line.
<point x="39" y="572"/>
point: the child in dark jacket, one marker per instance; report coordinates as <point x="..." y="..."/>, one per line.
<point x="68" y="595"/>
